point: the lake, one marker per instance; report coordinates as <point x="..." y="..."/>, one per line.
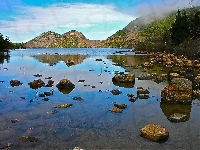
<point x="87" y="123"/>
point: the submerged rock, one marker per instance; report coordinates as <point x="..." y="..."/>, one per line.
<point x="77" y="98"/>
<point x="65" y="86"/>
<point x="177" y="117"/>
<point x="116" y="110"/>
<point x="179" y="91"/>
<point x="15" y="83"/>
<point x="155" y="132"/>
<point x="36" y="84"/>
<point x="54" y="111"/>
<point x="28" y="139"/>
<point x="169" y="109"/>
<point x="63" y="106"/>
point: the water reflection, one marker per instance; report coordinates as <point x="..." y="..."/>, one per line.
<point x="54" y="59"/>
<point x="171" y="109"/>
<point x="3" y="57"/>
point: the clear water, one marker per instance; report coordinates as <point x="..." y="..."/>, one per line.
<point x="88" y="123"/>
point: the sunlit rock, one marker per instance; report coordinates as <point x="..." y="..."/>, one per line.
<point x="124" y="80"/>
<point x="116" y="110"/>
<point x="177" y="117"/>
<point x="63" y="106"/>
<point x="155" y="132"/>
<point x="65" y="86"/>
<point x="36" y="84"/>
<point x="15" y="83"/>
<point x="179" y="91"/>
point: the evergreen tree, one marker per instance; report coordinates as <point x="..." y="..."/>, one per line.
<point x="5" y="44"/>
<point x="180" y="29"/>
<point x="195" y="25"/>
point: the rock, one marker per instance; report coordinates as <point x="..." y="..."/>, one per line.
<point x="155" y="133"/>
<point x="147" y="64"/>
<point x="14" y="120"/>
<point x="116" y="92"/>
<point x="179" y="91"/>
<point x="124" y="78"/>
<point x="48" y="93"/>
<point x="54" y="111"/>
<point x="196" y="93"/>
<point x="77" y="98"/>
<point x="63" y="106"/>
<point x="169" y="109"/>
<point x="142" y="91"/>
<point x="143" y="96"/>
<point x="174" y="75"/>
<point x="36" y="84"/>
<point x="77" y="148"/>
<point x="28" y="139"/>
<point x="133" y="99"/>
<point x="22" y="97"/>
<point x="98" y="59"/>
<point x="120" y="106"/>
<point x="45" y="99"/>
<point x="50" y="83"/>
<point x="37" y="75"/>
<point x="15" y="83"/>
<point x="81" y="80"/>
<point x="177" y="117"/>
<point x="5" y="146"/>
<point x="116" y="110"/>
<point x="65" y="86"/>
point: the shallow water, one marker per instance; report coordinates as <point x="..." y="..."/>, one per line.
<point x="88" y="123"/>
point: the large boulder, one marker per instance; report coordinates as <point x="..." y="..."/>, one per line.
<point x="65" y="86"/>
<point x="124" y="80"/>
<point x="178" y="91"/>
<point x="155" y="132"/>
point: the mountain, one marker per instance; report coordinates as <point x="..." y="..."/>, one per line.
<point x="126" y="38"/>
<point x="71" y="39"/>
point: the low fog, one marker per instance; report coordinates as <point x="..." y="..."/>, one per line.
<point x="164" y="7"/>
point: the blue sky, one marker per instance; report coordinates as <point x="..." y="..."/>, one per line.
<point x="22" y="20"/>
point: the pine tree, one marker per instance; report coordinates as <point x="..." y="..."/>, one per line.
<point x="180" y="29"/>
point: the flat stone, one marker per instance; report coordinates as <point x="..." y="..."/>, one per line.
<point x="155" y="132"/>
<point x="177" y="117"/>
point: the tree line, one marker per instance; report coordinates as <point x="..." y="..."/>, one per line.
<point x="6" y="44"/>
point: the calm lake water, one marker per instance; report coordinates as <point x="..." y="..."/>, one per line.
<point x="88" y="123"/>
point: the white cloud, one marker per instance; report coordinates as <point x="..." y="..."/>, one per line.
<point x="79" y="15"/>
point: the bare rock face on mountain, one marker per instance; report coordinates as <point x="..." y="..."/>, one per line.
<point x="71" y="39"/>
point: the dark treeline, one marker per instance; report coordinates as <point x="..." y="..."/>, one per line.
<point x="6" y="44"/>
<point x="186" y="26"/>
